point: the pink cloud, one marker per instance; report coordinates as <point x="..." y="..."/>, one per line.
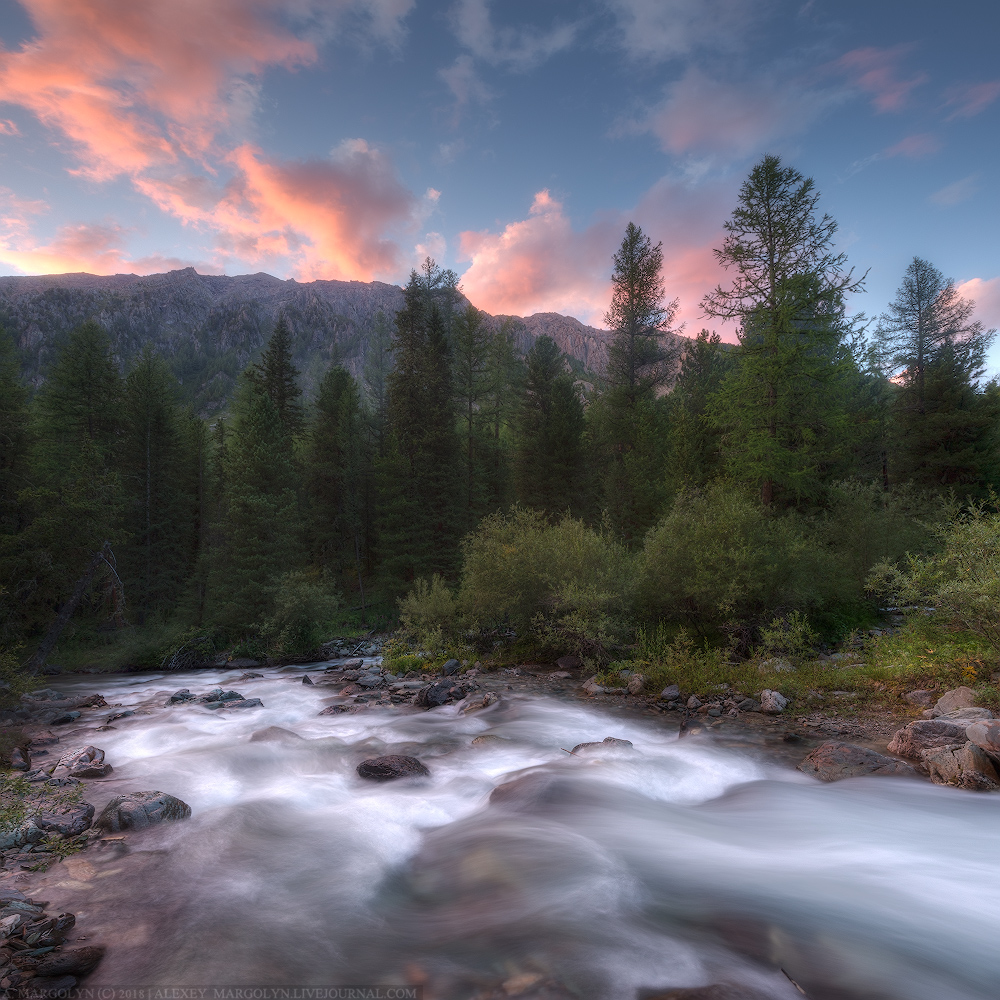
<point x="914" y="146"/>
<point x="7" y="127"/>
<point x="541" y="264"/>
<point x="702" y="115"/>
<point x="876" y="72"/>
<point x="970" y="99"/>
<point x="986" y="294"/>
<point x="163" y="93"/>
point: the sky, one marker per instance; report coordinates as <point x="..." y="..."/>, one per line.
<point x="511" y="141"/>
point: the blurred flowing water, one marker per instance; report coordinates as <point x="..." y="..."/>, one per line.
<point x="678" y="864"/>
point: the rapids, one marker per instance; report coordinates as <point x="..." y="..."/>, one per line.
<point x="678" y="864"/>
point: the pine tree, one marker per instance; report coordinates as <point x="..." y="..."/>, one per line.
<point x="260" y="526"/>
<point x="935" y="352"/>
<point x="419" y="481"/>
<point x="15" y="436"/>
<point x="161" y="510"/>
<point x="783" y="406"/>
<point x="548" y="458"/>
<point x="627" y="422"/>
<point x="695" y="453"/>
<point x="334" y="473"/>
<point x="277" y="376"/>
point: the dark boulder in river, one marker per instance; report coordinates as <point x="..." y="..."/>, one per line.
<point x="137" y="810"/>
<point x="834" y="760"/>
<point x="390" y="767"/>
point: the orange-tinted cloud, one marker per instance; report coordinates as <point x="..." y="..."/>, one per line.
<point x="541" y="264"/>
<point x="969" y="100"/>
<point x="985" y="292"/>
<point x="876" y="72"/>
<point x="164" y="93"/>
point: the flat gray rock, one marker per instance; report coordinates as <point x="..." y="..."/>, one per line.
<point x="835" y="760"/>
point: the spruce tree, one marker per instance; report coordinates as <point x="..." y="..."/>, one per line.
<point x="548" y="461"/>
<point x="260" y="526"/>
<point x="276" y="376"/>
<point x="783" y="407"/>
<point x="935" y="352"/>
<point x="627" y="425"/>
<point x="334" y="473"/>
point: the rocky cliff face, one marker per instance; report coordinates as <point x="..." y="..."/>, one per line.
<point x="209" y="327"/>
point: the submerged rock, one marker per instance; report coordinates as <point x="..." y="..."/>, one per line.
<point x="835" y="760"/>
<point x="274" y="734"/>
<point x="74" y="962"/>
<point x="475" y="704"/>
<point x="439" y="693"/>
<point x="608" y="743"/>
<point x="390" y="767"/>
<point x="180" y="696"/>
<point x="138" y="810"/>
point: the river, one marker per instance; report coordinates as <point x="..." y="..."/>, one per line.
<point x="680" y="863"/>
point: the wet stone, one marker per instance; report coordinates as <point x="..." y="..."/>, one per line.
<point x="834" y="760"/>
<point x="138" y="810"/>
<point x="390" y="767"/>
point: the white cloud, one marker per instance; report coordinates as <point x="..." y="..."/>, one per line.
<point x="519" y="48"/>
<point x="954" y="194"/>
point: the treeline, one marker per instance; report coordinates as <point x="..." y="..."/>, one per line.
<point x="690" y="481"/>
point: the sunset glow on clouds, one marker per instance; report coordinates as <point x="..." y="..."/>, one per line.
<point x="296" y="137"/>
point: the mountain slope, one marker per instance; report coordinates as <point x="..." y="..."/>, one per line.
<point x="209" y="327"/>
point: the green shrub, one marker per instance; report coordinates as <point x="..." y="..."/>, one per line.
<point x="788" y="636"/>
<point x="961" y="581"/>
<point x="718" y="556"/>
<point x="560" y="582"/>
<point x="428" y="612"/>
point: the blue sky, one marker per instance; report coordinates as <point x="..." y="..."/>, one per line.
<point x="511" y="141"/>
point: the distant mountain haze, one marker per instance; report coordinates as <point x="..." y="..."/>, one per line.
<point x="210" y="327"/>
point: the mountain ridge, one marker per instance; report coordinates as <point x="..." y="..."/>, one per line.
<point x="209" y="327"/>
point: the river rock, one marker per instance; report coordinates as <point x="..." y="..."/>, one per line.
<point x="921" y="698"/>
<point x="569" y="662"/>
<point x="306" y="679"/>
<point x="390" y="767"/>
<point x="180" y="696"/>
<point x="960" y="697"/>
<point x="138" y="810"/>
<point x="72" y="962"/>
<point x="590" y="686"/>
<point x="242" y="703"/>
<point x="250" y="676"/>
<point x="693" y="703"/>
<point x="670" y="693"/>
<point x="835" y="760"/>
<point x="27" y="832"/>
<point x="355" y="664"/>
<point x="636" y="683"/>
<point x="69" y="819"/>
<point x="450" y="668"/>
<point x="965" y="716"/>
<point x="217" y="696"/>
<point x="608" y="743"/>
<point x="924" y="734"/>
<point x="439" y="693"/>
<point x="986" y="736"/>
<point x="479" y="701"/>
<point x="489" y="739"/>
<point x="964" y="766"/>
<point x="274" y="734"/>
<point x="19" y="760"/>
<point x="749" y="705"/>
<point x="772" y="702"/>
<point x="717" y="991"/>
<point x="85" y="763"/>
<point x="371" y="679"/>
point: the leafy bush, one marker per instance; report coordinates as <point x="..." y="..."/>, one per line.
<point x="428" y="613"/>
<point x="717" y="555"/>
<point x="789" y="636"/>
<point x="961" y="581"/>
<point x="560" y="582"/>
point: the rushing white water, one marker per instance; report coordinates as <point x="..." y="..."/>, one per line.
<point x="678" y="864"/>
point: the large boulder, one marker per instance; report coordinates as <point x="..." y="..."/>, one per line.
<point x="390" y="767"/>
<point x="835" y="760"/>
<point x="967" y="715"/>
<point x="439" y="693"/>
<point x="569" y="662"/>
<point x="71" y="962"/>
<point x="962" y="765"/>
<point x="66" y="818"/>
<point x="986" y="736"/>
<point x="138" y="810"/>
<point x="450" y="668"/>
<point x="924" y="734"/>
<point x="960" y="697"/>
<point x="772" y="702"/>
<point x="87" y="762"/>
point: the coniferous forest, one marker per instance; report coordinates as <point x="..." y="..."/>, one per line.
<point x="779" y="490"/>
